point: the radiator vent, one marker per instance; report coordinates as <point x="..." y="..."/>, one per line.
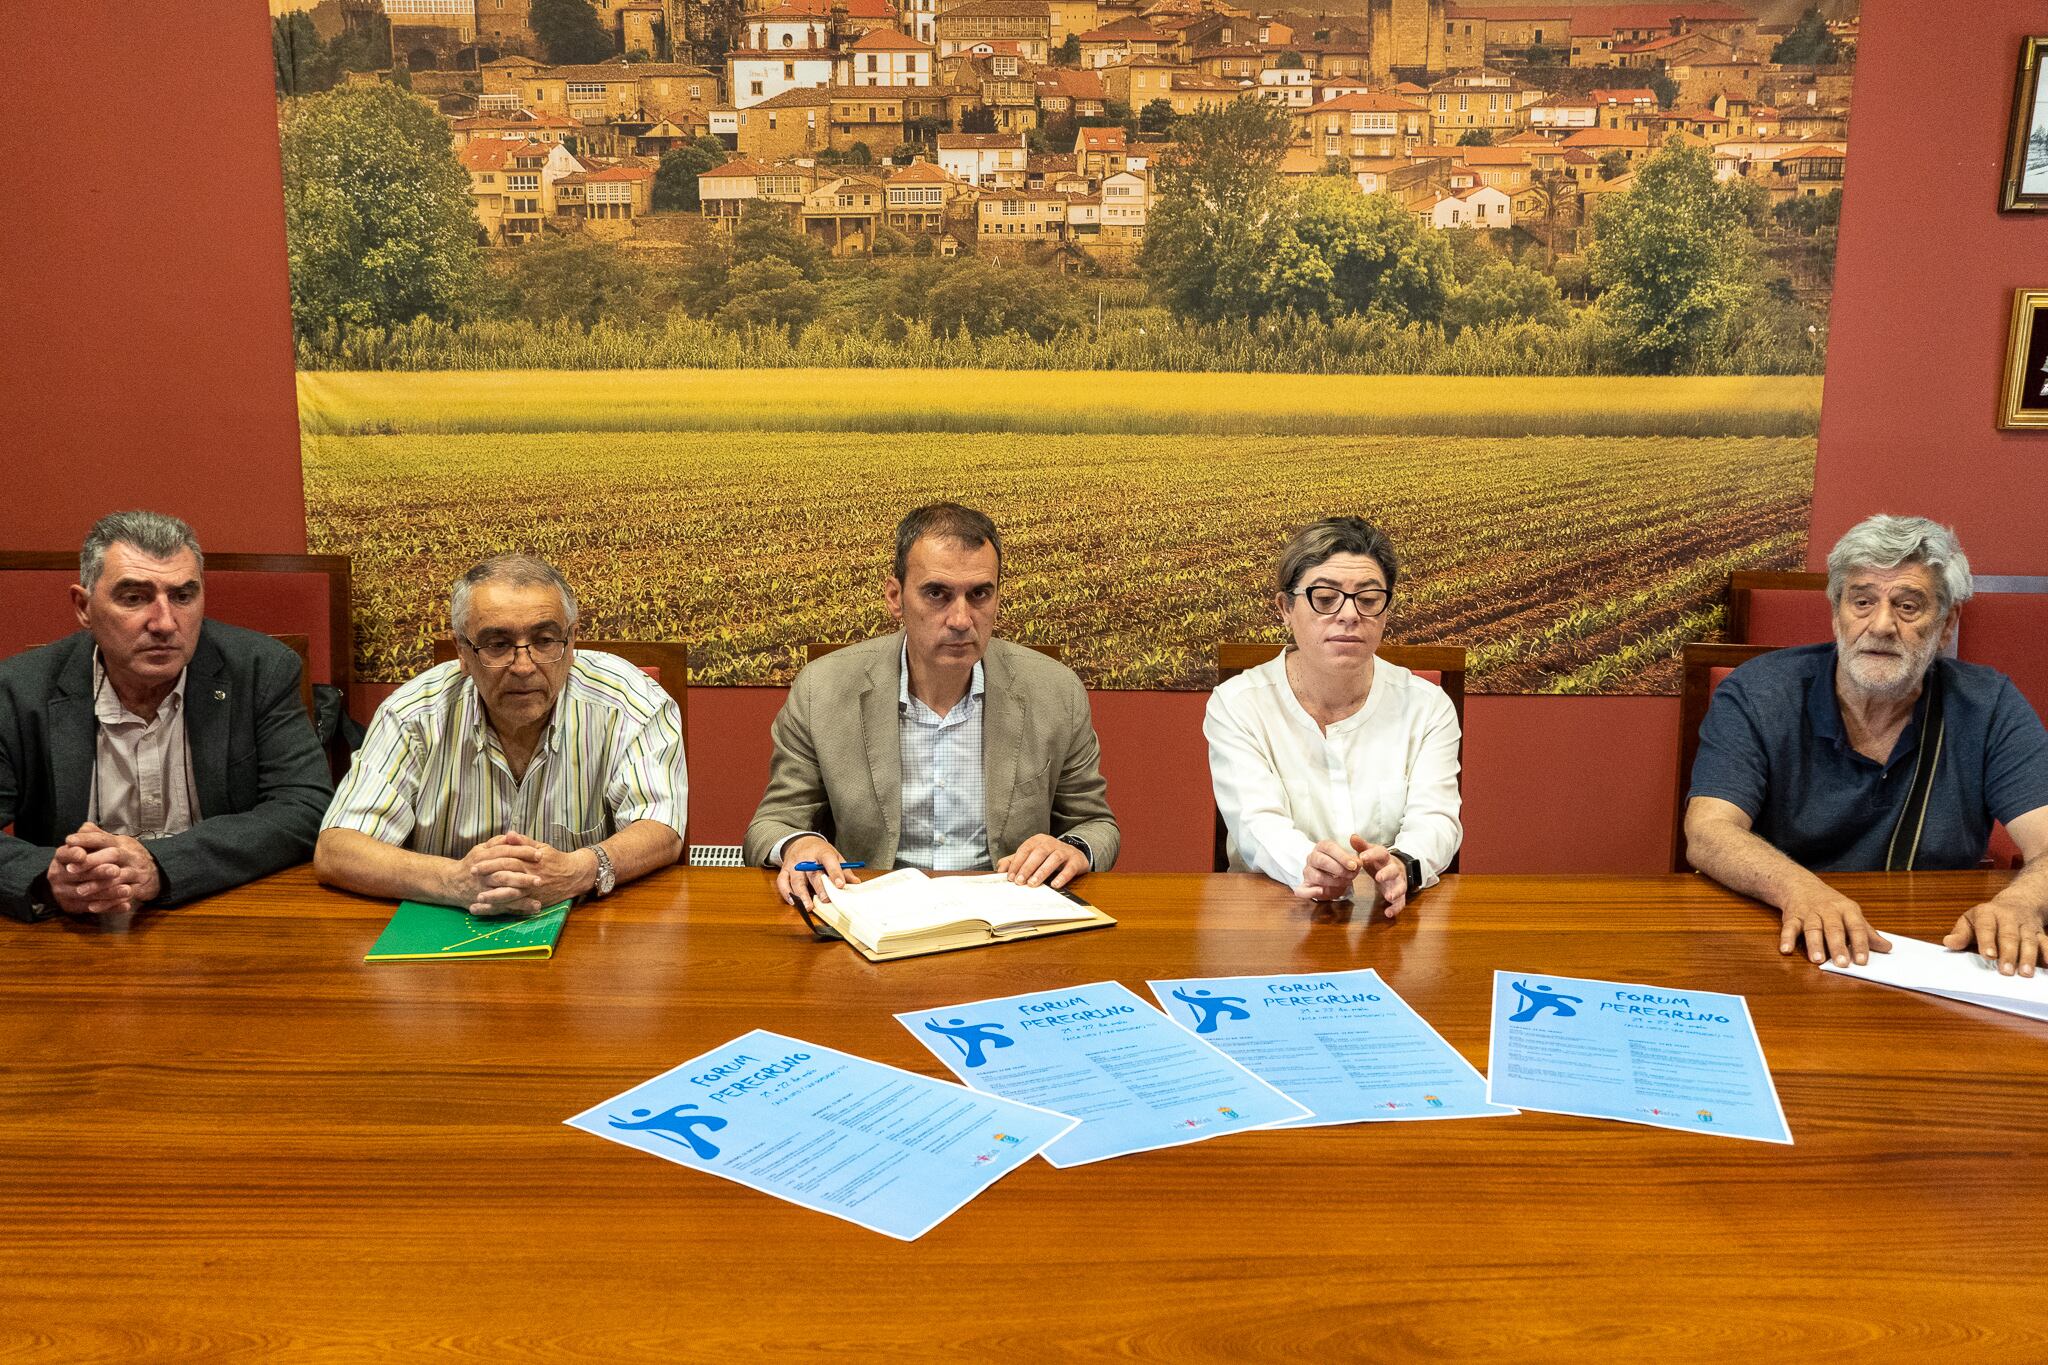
<point x="715" y="855"/>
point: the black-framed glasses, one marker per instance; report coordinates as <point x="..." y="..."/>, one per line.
<point x="548" y="649"/>
<point x="1324" y="600"/>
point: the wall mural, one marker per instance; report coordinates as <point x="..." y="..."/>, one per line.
<point x="696" y="300"/>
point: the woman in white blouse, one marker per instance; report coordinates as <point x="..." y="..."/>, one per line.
<point x="1330" y="764"/>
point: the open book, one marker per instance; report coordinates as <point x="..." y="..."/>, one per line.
<point x="906" y="913"/>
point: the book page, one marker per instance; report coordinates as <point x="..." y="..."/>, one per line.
<point x="908" y="902"/>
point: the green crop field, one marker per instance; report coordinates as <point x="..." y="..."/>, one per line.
<point x="747" y="513"/>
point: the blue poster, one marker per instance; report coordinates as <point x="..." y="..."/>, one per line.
<point x="1342" y="1043"/>
<point x="885" y="1148"/>
<point x="1135" y="1079"/>
<point x="1642" y="1054"/>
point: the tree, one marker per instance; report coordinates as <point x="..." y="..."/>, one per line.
<point x="719" y="27"/>
<point x="1664" y="88"/>
<point x="1501" y="291"/>
<point x="1068" y="53"/>
<point x="1750" y="201"/>
<point x="569" y="32"/>
<point x="1156" y="116"/>
<point x="303" y="65"/>
<point x="769" y="292"/>
<point x="1334" y="164"/>
<point x="574" y="279"/>
<point x="987" y="297"/>
<point x="859" y="154"/>
<point x="979" y="119"/>
<point x="1476" y="137"/>
<point x="1809" y="43"/>
<point x="1539" y="55"/>
<point x="1672" y="256"/>
<point x="1217" y="187"/>
<point x="675" y="180"/>
<point x="766" y="237"/>
<point x="364" y="45"/>
<point x="1613" y="165"/>
<point x="1338" y="251"/>
<point x="378" y="225"/>
<point x="1290" y="60"/>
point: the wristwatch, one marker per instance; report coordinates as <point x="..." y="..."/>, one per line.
<point x="1413" y="867"/>
<point x="606" y="877"/>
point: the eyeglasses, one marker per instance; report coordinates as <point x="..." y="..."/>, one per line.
<point x="547" y="649"/>
<point x="1328" y="601"/>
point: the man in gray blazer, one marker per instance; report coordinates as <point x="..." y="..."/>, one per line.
<point x="155" y="756"/>
<point x="936" y="747"/>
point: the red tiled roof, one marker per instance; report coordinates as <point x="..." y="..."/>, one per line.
<point x="887" y="40"/>
<point x="919" y="173"/>
<point x="1608" y="137"/>
<point x="494" y="153"/>
<point x="1623" y="96"/>
<point x="609" y="173"/>
<point x="953" y="142"/>
<point x="805" y="97"/>
<point x="1103" y="139"/>
<point x="735" y="169"/>
<point x="1370" y="103"/>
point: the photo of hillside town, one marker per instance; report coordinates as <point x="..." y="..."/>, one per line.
<point x="696" y="299"/>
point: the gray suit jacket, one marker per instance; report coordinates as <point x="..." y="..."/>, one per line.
<point x="837" y="767"/>
<point x="262" y="779"/>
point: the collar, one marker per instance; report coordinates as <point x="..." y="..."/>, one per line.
<point x="903" y="698"/>
<point x="109" y="709"/>
<point x="1824" y="709"/>
<point x="476" y="719"/>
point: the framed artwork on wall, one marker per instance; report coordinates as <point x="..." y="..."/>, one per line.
<point x="2026" y="150"/>
<point x="2023" y="400"/>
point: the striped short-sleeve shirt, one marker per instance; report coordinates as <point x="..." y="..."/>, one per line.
<point x="432" y="777"/>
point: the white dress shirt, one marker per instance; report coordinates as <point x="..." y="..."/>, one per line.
<point x="945" y="799"/>
<point x="1389" y="772"/>
<point x="142" y="784"/>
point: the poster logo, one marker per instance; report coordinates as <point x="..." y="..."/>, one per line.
<point x="972" y="1038"/>
<point x="1210" y="1010"/>
<point x="677" y="1127"/>
<point x="1536" y="999"/>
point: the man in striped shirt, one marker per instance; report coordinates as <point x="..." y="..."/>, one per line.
<point x="522" y="774"/>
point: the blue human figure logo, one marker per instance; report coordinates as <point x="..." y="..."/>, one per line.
<point x="1536" y="999"/>
<point x="677" y="1127"/>
<point x="1210" y="1010"/>
<point x="972" y="1038"/>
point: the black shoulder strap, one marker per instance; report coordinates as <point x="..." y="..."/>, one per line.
<point x="1926" y="759"/>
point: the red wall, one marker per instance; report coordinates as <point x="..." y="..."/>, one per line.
<point x="147" y="358"/>
<point x="1923" y="289"/>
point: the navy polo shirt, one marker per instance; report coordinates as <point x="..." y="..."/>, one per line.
<point x="1773" y="744"/>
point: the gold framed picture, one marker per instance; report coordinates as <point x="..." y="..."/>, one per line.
<point x="2023" y="401"/>
<point x="2026" y="150"/>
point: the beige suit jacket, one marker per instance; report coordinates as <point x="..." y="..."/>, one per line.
<point x="837" y="768"/>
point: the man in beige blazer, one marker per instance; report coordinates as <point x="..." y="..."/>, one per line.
<point x="935" y="747"/>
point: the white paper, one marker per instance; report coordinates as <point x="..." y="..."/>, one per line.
<point x="1916" y="965"/>
<point x="906" y="902"/>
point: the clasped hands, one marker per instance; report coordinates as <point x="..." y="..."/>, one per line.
<point x="1332" y="868"/>
<point x="1833" y="926"/>
<point x="515" y="875"/>
<point x="1041" y="860"/>
<point x="97" y="873"/>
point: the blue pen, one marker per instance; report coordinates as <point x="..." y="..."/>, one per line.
<point x="820" y="867"/>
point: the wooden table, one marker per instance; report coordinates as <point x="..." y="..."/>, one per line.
<point x="223" y="1137"/>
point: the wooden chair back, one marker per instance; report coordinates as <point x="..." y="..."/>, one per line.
<point x="1443" y="665"/>
<point x="1773" y="608"/>
<point x="294" y="594"/>
<point x="1701" y="669"/>
<point x="664" y="661"/>
<point x="818" y="649"/>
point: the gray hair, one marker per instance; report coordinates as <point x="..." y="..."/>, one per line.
<point x="1311" y="545"/>
<point x="518" y="571"/>
<point x="153" y="533"/>
<point x="1886" y="542"/>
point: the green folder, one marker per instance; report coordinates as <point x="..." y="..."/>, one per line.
<point x="419" y="932"/>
